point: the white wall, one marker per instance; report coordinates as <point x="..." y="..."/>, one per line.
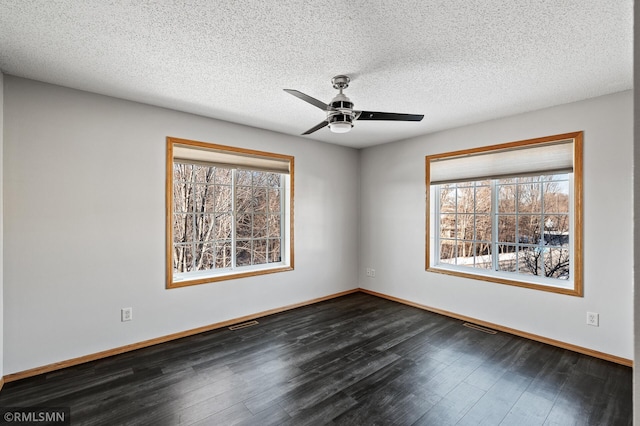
<point x="84" y="224"/>
<point x="393" y="227"/>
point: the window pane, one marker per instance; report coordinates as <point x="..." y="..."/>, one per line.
<point x="529" y="229"/>
<point x="275" y="254"/>
<point x="244" y="199"/>
<point x="274" y="200"/>
<point x="204" y="196"/>
<point x="482" y="253"/>
<point x="259" y="252"/>
<point x="529" y="200"/>
<point x="260" y="200"/>
<point x="274" y="180"/>
<point x="205" y="258"/>
<point x="556" y="263"/>
<point x="466" y="200"/>
<point x="203" y="174"/>
<point x="223" y="254"/>
<point x="182" y="197"/>
<point x="556" y="197"/>
<point x="259" y="178"/>
<point x="204" y="227"/>
<point x="182" y="172"/>
<point x="243" y="226"/>
<point x="222" y="176"/>
<point x="259" y="225"/>
<point x="223" y="224"/>
<point x="556" y="230"/>
<point x="182" y="228"/>
<point x="447" y="198"/>
<point x="223" y="199"/>
<point x="243" y="253"/>
<point x="507" y="229"/>
<point x="483" y="227"/>
<point x="507" y="198"/>
<point x="483" y="199"/>
<point x="447" y="251"/>
<point x="464" y="253"/>
<point x="447" y="225"/>
<point x="243" y="177"/>
<point x="273" y="225"/>
<point x="182" y="258"/>
<point x="464" y="226"/>
<point x="530" y="260"/>
<point x="507" y="258"/>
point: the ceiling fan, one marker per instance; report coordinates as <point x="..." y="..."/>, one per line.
<point x="340" y="112"/>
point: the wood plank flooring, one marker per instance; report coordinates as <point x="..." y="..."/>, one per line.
<point x="354" y="360"/>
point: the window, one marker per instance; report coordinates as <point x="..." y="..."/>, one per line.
<point x="509" y="213"/>
<point x="229" y="212"/>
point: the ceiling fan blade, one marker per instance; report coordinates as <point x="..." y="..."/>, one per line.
<point x="376" y="115"/>
<point x="307" y="98"/>
<point x="316" y="127"/>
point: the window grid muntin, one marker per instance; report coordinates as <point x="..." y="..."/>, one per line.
<point x="540" y="181"/>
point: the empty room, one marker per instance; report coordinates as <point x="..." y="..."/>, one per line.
<point x="320" y="212"/>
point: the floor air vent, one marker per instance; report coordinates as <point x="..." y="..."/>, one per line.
<point x="477" y="327"/>
<point x="243" y="325"/>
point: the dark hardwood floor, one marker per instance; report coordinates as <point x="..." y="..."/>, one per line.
<point x="357" y="360"/>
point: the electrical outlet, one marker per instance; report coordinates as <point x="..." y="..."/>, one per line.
<point x="593" y="319"/>
<point x="368" y="272"/>
<point x="126" y="314"/>
<point x="373" y="273"/>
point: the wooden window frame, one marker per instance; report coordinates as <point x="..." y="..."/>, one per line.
<point x="288" y="238"/>
<point x="577" y="216"/>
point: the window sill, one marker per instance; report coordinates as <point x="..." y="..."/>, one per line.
<point x="570" y="288"/>
<point x="185" y="280"/>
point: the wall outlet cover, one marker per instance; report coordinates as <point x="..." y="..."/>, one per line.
<point x="593" y="319"/>
<point x="126" y="314"/>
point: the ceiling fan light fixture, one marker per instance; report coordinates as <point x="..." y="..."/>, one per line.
<point x="340" y="123"/>
<point x="340" y="127"/>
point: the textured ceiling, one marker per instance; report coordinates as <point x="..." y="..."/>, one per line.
<point x="456" y="62"/>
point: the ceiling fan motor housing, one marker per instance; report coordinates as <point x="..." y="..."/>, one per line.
<point x="341" y="101"/>
<point x="340" y="115"/>
<point x="341" y="118"/>
<point x="341" y="104"/>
